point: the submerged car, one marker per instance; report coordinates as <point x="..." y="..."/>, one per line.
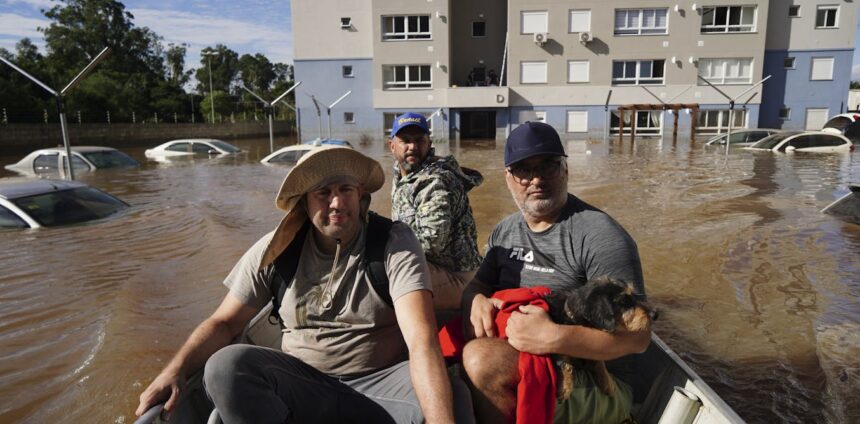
<point x="34" y="203"/>
<point x="288" y="155"/>
<point x="808" y="141"/>
<point x="84" y="158"/>
<point x="328" y="142"/>
<point x="193" y="146"/>
<point x="847" y="124"/>
<point x="741" y="137"/>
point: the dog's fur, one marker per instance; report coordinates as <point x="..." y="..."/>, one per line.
<point x="603" y="303"/>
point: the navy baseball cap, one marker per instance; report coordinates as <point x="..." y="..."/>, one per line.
<point x="409" y="119"/>
<point x="532" y="139"/>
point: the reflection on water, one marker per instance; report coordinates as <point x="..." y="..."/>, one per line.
<point x="758" y="290"/>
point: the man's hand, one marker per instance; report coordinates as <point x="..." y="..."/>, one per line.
<point x="168" y="385"/>
<point x="531" y="330"/>
<point x="483" y="315"/>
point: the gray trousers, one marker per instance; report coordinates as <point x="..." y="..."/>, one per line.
<point x="252" y="384"/>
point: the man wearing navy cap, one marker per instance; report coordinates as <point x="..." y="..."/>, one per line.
<point x="429" y="194"/>
<point x="560" y="242"/>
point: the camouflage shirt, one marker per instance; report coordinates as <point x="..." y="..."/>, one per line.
<point x="432" y="200"/>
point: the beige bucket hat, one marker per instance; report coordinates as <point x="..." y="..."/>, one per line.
<point x="318" y="166"/>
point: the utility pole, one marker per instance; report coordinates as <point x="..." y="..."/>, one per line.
<point x="269" y="107"/>
<point x="209" y="54"/>
<point x="732" y="105"/>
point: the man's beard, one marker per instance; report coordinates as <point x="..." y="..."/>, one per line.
<point x="539" y="208"/>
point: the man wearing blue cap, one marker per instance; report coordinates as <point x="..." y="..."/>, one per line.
<point x="560" y="242"/>
<point x="429" y="194"/>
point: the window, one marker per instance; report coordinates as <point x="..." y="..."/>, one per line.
<point x="402" y="77"/>
<point x="577" y="71"/>
<point x="794" y="11"/>
<point x="726" y="71"/>
<point x="788" y="63"/>
<point x="77" y="163"/>
<point x="540" y="116"/>
<point x="641" y="21"/>
<point x="728" y="19"/>
<point x="479" y="29"/>
<point x="202" y="148"/>
<point x="580" y="21"/>
<point x="533" y="72"/>
<point x="717" y="121"/>
<point x="532" y="22"/>
<point x="816" y="118"/>
<point x="11" y="220"/>
<point x="348" y="117"/>
<point x="822" y="68"/>
<point x="406" y="27"/>
<point x="827" y="16"/>
<point x="577" y="121"/>
<point x="347" y="71"/>
<point x="177" y="147"/>
<point x="345" y="23"/>
<point x="45" y="163"/>
<point x="648" y="122"/>
<point x="784" y="113"/>
<point x="638" y="72"/>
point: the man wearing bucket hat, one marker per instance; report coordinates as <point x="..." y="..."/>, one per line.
<point x="346" y="354"/>
<point x="430" y="194"/>
<point x="557" y="241"/>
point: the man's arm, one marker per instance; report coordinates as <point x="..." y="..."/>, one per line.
<point x="212" y="334"/>
<point x="433" y="216"/>
<point x="418" y="324"/>
<point x="531" y="330"/>
<point x="480" y="310"/>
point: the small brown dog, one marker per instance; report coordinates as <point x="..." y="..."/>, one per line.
<point x="603" y="303"/>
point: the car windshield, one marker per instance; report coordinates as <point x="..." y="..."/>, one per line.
<point x="110" y="159"/>
<point x="69" y="206"/>
<point x="771" y="141"/>
<point x="229" y="148"/>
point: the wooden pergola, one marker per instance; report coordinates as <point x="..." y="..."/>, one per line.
<point x="674" y="107"/>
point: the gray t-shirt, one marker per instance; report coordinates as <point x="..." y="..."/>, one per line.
<point x="358" y="333"/>
<point x="583" y="244"/>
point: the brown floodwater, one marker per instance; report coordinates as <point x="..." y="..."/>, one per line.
<point x="758" y="291"/>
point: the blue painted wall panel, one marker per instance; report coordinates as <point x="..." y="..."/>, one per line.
<point x="324" y="80"/>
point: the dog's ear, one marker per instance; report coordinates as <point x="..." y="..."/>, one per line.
<point x="600" y="313"/>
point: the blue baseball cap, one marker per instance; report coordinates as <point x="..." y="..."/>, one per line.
<point x="532" y="139"/>
<point x="409" y="119"/>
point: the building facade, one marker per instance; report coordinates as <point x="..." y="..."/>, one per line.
<point x="478" y="68"/>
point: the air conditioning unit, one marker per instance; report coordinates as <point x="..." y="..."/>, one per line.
<point x="585" y="37"/>
<point x="540" y="38"/>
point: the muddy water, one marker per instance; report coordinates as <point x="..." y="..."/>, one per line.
<point x="758" y="291"/>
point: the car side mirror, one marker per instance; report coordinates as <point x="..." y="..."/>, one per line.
<point x="790" y="149"/>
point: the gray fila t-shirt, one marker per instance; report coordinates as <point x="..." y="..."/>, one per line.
<point x="585" y="243"/>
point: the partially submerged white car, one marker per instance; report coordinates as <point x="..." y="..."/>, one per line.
<point x="84" y="158"/>
<point x="741" y="137"/>
<point x="34" y="203"/>
<point x="192" y="146"/>
<point x="290" y="155"/>
<point x="804" y="141"/>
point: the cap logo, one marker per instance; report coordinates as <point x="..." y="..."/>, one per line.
<point x="402" y="121"/>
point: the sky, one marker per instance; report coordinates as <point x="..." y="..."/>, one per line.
<point x="245" y="26"/>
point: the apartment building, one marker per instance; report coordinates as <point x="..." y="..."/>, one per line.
<point x="478" y="68"/>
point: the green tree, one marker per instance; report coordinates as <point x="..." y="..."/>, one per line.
<point x="175" y="58"/>
<point x="225" y="66"/>
<point x="23" y="100"/>
<point x="223" y="105"/>
<point x="256" y="72"/>
<point x="855" y="85"/>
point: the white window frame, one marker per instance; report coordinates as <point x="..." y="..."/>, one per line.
<point x="535" y="14"/>
<point x="722" y="117"/>
<point x="714" y="28"/>
<point x="719" y="71"/>
<point x="793" y="62"/>
<point x="570" y="71"/>
<point x="405" y="34"/>
<point x="827" y="9"/>
<point x="640" y="130"/>
<point x="638" y="26"/>
<point x="821" y="60"/>
<point x="347" y="116"/>
<point x="540" y="116"/>
<point x="351" y="73"/>
<point x="583" y="120"/>
<point x="406" y="83"/>
<point x="345" y="22"/>
<point x="637" y="78"/>
<point x="823" y="110"/>
<point x="526" y="63"/>
<point x="578" y="12"/>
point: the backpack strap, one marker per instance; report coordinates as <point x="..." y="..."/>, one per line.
<point x="378" y="231"/>
<point x="373" y="262"/>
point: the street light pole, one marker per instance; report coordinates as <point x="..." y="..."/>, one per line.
<point x="270" y="109"/>
<point x="209" y="55"/>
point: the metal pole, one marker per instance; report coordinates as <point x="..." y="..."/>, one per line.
<point x="192" y="109"/>
<point x="606" y="118"/>
<point x="729" y="131"/>
<point x="271" y="110"/>
<point x="61" y="106"/>
<point x="328" y="111"/>
<point x="211" y="93"/>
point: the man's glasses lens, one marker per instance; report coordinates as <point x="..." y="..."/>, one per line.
<point x="544" y="170"/>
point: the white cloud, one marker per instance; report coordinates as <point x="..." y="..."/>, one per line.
<point x="36" y="4"/>
<point x="21" y="26"/>
<point x="201" y="31"/>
